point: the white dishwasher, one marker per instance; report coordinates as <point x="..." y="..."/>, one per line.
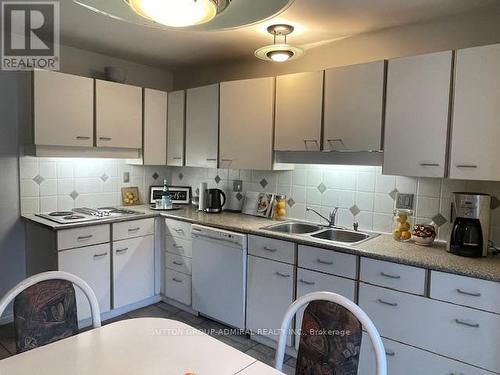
<point x="219" y="271"/>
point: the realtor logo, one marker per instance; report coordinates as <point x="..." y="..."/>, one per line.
<point x="30" y="35"/>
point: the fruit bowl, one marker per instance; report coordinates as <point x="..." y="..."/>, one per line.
<point x="424" y="234"/>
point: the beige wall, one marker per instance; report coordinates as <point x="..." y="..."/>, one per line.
<point x="461" y="31"/>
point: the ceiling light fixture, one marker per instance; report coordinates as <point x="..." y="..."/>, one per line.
<point x="279" y="52"/>
<point x="178" y="13"/>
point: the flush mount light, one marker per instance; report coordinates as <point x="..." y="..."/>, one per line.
<point x="279" y="52"/>
<point x="178" y="13"/>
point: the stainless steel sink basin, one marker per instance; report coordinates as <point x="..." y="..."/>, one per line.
<point x="294" y="228"/>
<point x="340" y="235"/>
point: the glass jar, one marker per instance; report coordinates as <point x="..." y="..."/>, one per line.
<point x="279" y="207"/>
<point x="402" y="225"/>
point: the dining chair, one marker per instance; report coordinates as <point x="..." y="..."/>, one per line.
<point x="330" y="339"/>
<point x="45" y="308"/>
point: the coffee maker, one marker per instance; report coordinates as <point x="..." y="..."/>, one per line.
<point x="470" y="218"/>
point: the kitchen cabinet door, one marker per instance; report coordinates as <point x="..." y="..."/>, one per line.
<point x="118" y="110"/>
<point x="354" y="100"/>
<point x="92" y="264"/>
<point x="270" y="290"/>
<point x="63" y="109"/>
<point x="202" y="126"/>
<point x="175" y="128"/>
<point x="416" y="125"/>
<point x="155" y="127"/>
<point x="133" y="270"/>
<point x="475" y="154"/>
<point x="246" y="124"/>
<point x="299" y="102"/>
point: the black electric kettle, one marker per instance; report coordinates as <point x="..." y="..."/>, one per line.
<point x="215" y="200"/>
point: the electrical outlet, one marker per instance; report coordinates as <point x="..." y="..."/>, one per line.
<point x="237" y="186"/>
<point x="126" y="177"/>
<point x="405" y="201"/>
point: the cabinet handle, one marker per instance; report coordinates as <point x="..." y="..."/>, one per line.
<point x="429" y="164"/>
<point x="466" y="166"/>
<point x="100" y="255"/>
<point x="179" y="230"/>
<point x="121" y="251"/>
<point x="282" y="274"/>
<point x="390" y="353"/>
<point x="270" y="249"/>
<point x="307" y="282"/>
<point x="177" y="158"/>
<point x="211" y="159"/>
<point x="82" y="138"/>
<point x="105" y="138"/>
<point x="134" y="229"/>
<point x="390" y="276"/>
<point x="328" y="263"/>
<point x="84" y="238"/>
<point x="393" y="304"/>
<point x="472" y="294"/>
<point x="332" y="141"/>
<point x="177" y="246"/>
<point x="315" y="141"/>
<point x="464" y="323"/>
<point x="177" y="263"/>
<point x="176" y="280"/>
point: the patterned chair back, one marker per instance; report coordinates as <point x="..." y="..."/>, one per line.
<point x="44" y="313"/>
<point x="330" y="341"/>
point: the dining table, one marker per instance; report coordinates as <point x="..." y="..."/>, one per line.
<point x="142" y="346"/>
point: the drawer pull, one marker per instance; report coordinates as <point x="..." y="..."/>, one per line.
<point x="177" y="246"/>
<point x="466" y="166"/>
<point x="100" y="255"/>
<point x="472" y="294"/>
<point x="307" y="282"/>
<point x="177" y="263"/>
<point x="83" y="238"/>
<point x="179" y="230"/>
<point x="429" y="164"/>
<point x="390" y="276"/>
<point x="177" y="280"/>
<point x="464" y="323"/>
<point x="177" y="158"/>
<point x="270" y="249"/>
<point x="390" y="353"/>
<point x="105" y="138"/>
<point x="211" y="159"/>
<point x="134" y="229"/>
<point x="282" y="274"/>
<point x="328" y="263"/>
<point x="393" y="304"/>
<point x="82" y="138"/>
<point x="121" y="251"/>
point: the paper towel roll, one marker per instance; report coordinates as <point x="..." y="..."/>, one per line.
<point x="202" y="204"/>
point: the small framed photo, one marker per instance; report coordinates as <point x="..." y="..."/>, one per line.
<point x="178" y="194"/>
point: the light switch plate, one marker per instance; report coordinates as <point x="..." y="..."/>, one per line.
<point x="405" y="201"/>
<point x="126" y="177"/>
<point x="237" y="186"/>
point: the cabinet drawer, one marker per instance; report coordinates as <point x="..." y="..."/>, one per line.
<point x="178" y="229"/>
<point x="270" y="248"/>
<point x="466" y="291"/>
<point x="179" y="246"/>
<point x="178" y="263"/>
<point x="85" y="236"/>
<point x="134" y="228"/>
<point x="404" y="359"/>
<point x="391" y="275"/>
<point x="327" y="261"/>
<point x="178" y="286"/>
<point x="457" y="332"/>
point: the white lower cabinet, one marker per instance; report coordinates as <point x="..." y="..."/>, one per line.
<point x="311" y="281"/>
<point x="178" y="286"/>
<point x="92" y="264"/>
<point x="407" y="360"/>
<point x="133" y="270"/>
<point x="270" y="290"/>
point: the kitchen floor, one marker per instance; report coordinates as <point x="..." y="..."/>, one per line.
<point x="162" y="310"/>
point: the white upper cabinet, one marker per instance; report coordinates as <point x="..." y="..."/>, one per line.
<point x="155" y="127"/>
<point x="299" y="100"/>
<point x="202" y="126"/>
<point x="354" y="97"/>
<point x="175" y="128"/>
<point x="475" y="153"/>
<point x="416" y="126"/>
<point x="118" y="110"/>
<point x="63" y="109"/>
<point x="246" y="124"/>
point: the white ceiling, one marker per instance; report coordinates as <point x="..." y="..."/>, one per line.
<point x="316" y="22"/>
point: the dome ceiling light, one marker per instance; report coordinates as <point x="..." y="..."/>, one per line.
<point x="279" y="51"/>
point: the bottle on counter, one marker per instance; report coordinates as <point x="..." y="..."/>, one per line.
<point x="166" y="201"/>
<point x="279" y="209"/>
<point x="402" y="225"/>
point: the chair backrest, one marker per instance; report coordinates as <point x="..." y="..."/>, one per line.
<point x="314" y="357"/>
<point x="45" y="308"/>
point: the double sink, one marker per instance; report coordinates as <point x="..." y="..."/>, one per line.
<point x="334" y="235"/>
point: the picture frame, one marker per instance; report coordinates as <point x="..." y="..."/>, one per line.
<point x="178" y="194"/>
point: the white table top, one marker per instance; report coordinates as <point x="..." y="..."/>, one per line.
<point x="145" y="346"/>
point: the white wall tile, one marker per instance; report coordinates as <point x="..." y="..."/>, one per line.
<point x="29" y="188"/>
<point x="382" y="223"/>
<point x="429" y="187"/>
<point x="383" y="203"/>
<point x="313" y="197"/>
<point x="48" y="170"/>
<point x="427" y="207"/>
<point x="365" y="181"/>
<point x="28" y="167"/>
<point x="48" y="204"/>
<point x="30" y="205"/>
<point x="48" y="188"/>
<point x="407" y="185"/>
<point x="65" y="202"/>
<point x="384" y="184"/>
<point x="64" y="170"/>
<point x="365" y="201"/>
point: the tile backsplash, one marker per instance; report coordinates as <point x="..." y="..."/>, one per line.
<point x="56" y="184"/>
<point x="363" y="194"/>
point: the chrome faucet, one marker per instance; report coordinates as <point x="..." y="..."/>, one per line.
<point x="332" y="217"/>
